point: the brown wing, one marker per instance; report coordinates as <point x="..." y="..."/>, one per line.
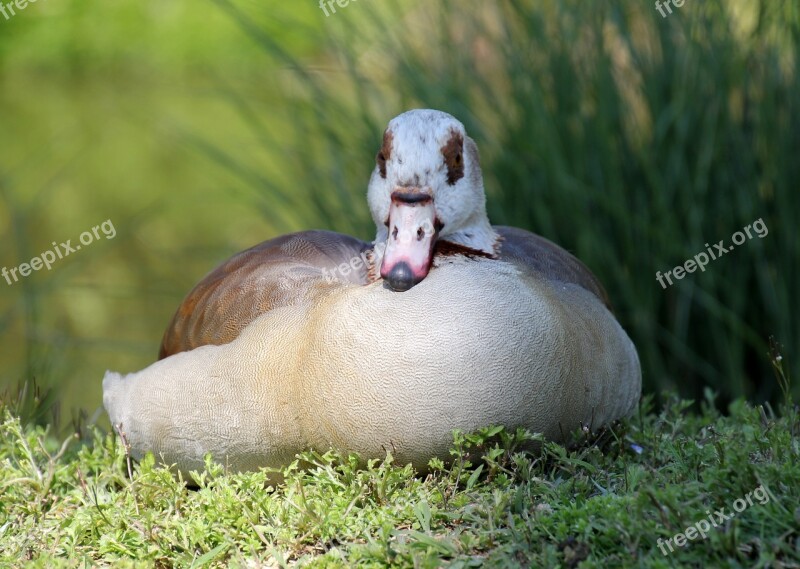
<point x="535" y="253"/>
<point x="275" y="273"/>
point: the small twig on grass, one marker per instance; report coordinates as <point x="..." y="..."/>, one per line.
<point x="127" y="447"/>
<point x="96" y="502"/>
<point x="785" y="384"/>
<point x="53" y="460"/>
<point x="24" y="443"/>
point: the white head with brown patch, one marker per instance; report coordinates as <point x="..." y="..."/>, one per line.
<point x="427" y="187"/>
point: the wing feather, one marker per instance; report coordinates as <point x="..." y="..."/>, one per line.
<point x="280" y="272"/>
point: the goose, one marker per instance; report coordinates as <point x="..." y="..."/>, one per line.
<point x="318" y="340"/>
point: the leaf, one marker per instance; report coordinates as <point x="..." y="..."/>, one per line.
<point x="474" y="477"/>
<point x="207" y="558"/>
<point x="423" y="513"/>
<point x="441" y="547"/>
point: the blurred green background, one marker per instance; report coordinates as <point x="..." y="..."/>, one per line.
<point x="200" y="129"/>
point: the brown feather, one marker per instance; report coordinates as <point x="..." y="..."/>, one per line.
<point x="280" y="272"/>
<point x="532" y="252"/>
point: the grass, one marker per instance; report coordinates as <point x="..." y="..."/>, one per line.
<point x="604" y="500"/>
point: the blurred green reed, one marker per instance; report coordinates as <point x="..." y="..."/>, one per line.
<point x="630" y="139"/>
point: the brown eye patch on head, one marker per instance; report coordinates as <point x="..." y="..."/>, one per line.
<point x="453" y="152"/>
<point x="384" y="153"/>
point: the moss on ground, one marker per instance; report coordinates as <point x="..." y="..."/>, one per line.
<point x="604" y="500"/>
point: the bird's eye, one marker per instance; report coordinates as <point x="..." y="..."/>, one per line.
<point x="453" y="157"/>
<point x="384" y="153"/>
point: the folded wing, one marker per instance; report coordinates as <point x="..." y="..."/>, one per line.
<point x="534" y="253"/>
<point x="287" y="270"/>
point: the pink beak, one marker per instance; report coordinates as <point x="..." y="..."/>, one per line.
<point x="412" y="235"/>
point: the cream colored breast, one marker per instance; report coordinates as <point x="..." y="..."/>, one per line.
<point x="366" y="369"/>
<point x="474" y="344"/>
